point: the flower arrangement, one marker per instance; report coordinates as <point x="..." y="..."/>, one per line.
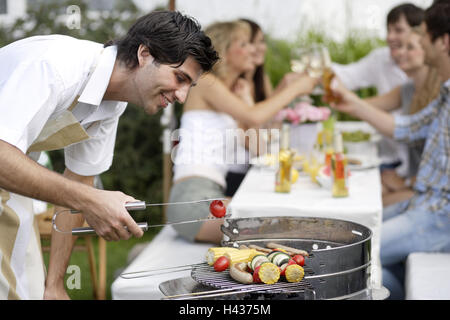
<point x="303" y="112"/>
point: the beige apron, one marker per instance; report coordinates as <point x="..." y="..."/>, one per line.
<point x="22" y="268"/>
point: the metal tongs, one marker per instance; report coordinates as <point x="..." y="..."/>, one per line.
<point x="134" y="206"/>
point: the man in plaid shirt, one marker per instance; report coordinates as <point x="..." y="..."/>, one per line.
<point x="423" y="222"/>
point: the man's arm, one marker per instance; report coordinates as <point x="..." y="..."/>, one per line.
<point x="62" y="245"/>
<point x="350" y="103"/>
<point x="359" y="74"/>
<point x="104" y="210"/>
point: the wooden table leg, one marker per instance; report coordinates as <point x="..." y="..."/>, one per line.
<point x="102" y="269"/>
<point x="92" y="265"/>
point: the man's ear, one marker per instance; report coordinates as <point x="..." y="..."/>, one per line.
<point x="446" y="42"/>
<point x="143" y="55"/>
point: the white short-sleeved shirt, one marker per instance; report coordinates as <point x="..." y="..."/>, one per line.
<point x="376" y="69"/>
<point x="40" y="78"/>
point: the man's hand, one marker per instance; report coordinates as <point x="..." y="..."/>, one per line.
<point x="349" y="102"/>
<point x="108" y="216"/>
<point x="303" y="81"/>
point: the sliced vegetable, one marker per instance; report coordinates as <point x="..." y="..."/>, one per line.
<point x="269" y="273"/>
<point x="274" y="252"/>
<point x="294" y="273"/>
<point x="221" y="264"/>
<point x="258" y="260"/>
<point x="280" y="258"/>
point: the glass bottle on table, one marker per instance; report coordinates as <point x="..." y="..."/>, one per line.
<point x="339" y="169"/>
<point x="285" y="158"/>
<point x="327" y="138"/>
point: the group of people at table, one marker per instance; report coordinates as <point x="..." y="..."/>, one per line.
<point x="218" y="75"/>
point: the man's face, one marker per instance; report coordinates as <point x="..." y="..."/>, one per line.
<point x="157" y="85"/>
<point x="428" y="46"/>
<point x="397" y="34"/>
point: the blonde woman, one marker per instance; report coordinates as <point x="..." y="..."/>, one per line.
<point x="219" y="101"/>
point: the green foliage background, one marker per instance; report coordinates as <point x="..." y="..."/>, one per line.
<point x="137" y="165"/>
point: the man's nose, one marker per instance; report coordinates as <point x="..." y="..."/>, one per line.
<point x="181" y="94"/>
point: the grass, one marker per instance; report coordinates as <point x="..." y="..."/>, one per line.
<point x="116" y="255"/>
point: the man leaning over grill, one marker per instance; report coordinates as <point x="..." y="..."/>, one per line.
<point x="57" y="92"/>
<point x="423" y="222"/>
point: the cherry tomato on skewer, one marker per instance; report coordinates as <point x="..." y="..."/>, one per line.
<point x="299" y="259"/>
<point x="221" y="264"/>
<point x="256" y="278"/>
<point x="217" y="209"/>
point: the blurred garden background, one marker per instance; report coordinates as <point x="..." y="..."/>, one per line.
<point x="137" y="166"/>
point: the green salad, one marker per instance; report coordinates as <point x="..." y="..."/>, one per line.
<point x="355" y="136"/>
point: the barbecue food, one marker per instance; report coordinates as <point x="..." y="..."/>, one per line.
<point x="294" y="273"/>
<point x="238" y="272"/>
<point x="221" y="264"/>
<point x="243" y="255"/>
<point x="269" y="273"/>
<point x="265" y="250"/>
<point x="290" y="250"/>
<point x="214" y="253"/>
<point x="258" y="260"/>
<point x="217" y="209"/>
<point x="260" y="264"/>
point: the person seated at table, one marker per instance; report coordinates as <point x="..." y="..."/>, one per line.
<point x="260" y="89"/>
<point x="380" y="69"/>
<point x="421" y="223"/>
<point x="219" y="101"/>
<point x="410" y="98"/>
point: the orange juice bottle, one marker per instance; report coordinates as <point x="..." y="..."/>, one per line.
<point x="339" y="169"/>
<point x="285" y="159"/>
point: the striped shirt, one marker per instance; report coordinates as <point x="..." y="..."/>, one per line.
<point x="432" y="124"/>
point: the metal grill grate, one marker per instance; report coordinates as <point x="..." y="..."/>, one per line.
<point x="206" y="275"/>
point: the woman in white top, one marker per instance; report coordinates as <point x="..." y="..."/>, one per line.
<point x="210" y="114"/>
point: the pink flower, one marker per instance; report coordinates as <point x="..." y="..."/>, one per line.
<point x="293" y="116"/>
<point x="303" y="112"/>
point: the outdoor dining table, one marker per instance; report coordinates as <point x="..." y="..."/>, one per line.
<point x="256" y="197"/>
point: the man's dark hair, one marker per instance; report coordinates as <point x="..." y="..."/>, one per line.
<point x="171" y="38"/>
<point x="413" y="14"/>
<point x="437" y="19"/>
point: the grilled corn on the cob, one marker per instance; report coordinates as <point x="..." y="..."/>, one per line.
<point x="269" y="273"/>
<point x="294" y="273"/>
<point x="214" y="253"/>
<point x="243" y="255"/>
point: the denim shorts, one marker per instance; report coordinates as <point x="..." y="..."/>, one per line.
<point x="412" y="228"/>
<point x="194" y="188"/>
